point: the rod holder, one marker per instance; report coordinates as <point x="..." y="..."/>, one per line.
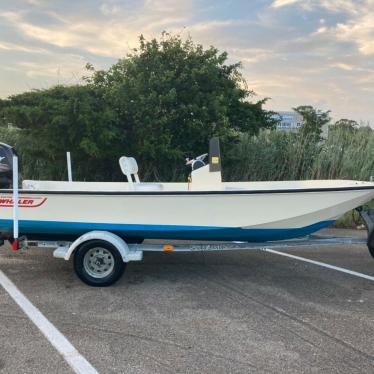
<point x="68" y="161"/>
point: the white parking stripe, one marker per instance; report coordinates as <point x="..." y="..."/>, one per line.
<point x="76" y="361"/>
<point x="343" y="270"/>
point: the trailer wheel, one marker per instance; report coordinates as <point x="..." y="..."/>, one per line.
<point x="98" y="263"/>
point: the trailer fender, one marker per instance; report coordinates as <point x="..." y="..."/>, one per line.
<point x="109" y="237"/>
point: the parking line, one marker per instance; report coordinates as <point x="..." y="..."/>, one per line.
<point x="343" y="270"/>
<point x="76" y="361"/>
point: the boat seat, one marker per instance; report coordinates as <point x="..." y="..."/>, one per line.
<point x="129" y="167"/>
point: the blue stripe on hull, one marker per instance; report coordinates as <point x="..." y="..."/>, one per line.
<point x="161" y="231"/>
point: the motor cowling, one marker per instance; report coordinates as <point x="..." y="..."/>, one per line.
<point x="6" y="165"/>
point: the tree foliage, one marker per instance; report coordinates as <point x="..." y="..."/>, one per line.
<point x="57" y="120"/>
<point x="166" y="99"/>
<point x="313" y="121"/>
<point x="348" y="124"/>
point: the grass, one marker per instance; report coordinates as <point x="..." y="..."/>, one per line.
<point x="346" y="153"/>
<point x="272" y="155"/>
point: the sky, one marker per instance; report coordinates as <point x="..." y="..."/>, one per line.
<point x="296" y="52"/>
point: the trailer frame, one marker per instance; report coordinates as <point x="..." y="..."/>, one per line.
<point x="116" y="247"/>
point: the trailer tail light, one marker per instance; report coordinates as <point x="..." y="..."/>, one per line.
<point x="15" y="245"/>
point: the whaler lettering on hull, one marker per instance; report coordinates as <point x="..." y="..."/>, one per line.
<point x="23" y="201"/>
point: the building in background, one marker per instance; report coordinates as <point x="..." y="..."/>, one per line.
<point x="292" y="121"/>
<point x="289" y="121"/>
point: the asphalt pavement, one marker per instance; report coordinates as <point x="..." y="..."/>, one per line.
<point x="218" y="312"/>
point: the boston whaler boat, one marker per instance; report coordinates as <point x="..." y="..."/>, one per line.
<point x="96" y="221"/>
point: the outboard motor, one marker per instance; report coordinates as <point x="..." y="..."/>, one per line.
<point x="6" y="165"/>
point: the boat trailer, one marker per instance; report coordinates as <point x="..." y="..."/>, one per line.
<point x="100" y="257"/>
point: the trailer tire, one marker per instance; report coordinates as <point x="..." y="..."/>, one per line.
<point x="98" y="263"/>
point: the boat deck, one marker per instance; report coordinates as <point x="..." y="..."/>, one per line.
<point x="169" y="187"/>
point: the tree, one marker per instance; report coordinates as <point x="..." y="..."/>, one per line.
<point x="347" y="124"/>
<point x="313" y="121"/>
<point x="57" y="120"/>
<point x="171" y="96"/>
<point x="166" y="98"/>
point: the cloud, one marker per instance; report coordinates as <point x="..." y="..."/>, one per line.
<point x="349" y="6"/>
<point x="209" y="26"/>
<point x="59" y="69"/>
<point x="36" y="2"/>
<point x="112" y="37"/>
<point x="85" y="35"/>
<point x="282" y="3"/>
<point x="109" y="9"/>
<point x="43" y="71"/>
<point x="343" y="66"/>
<point x="21" y="48"/>
<point x="250" y="56"/>
<point x="321" y="30"/>
<point x="295" y="51"/>
<point x="359" y="30"/>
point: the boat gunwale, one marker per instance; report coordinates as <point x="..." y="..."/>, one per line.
<point x="189" y="192"/>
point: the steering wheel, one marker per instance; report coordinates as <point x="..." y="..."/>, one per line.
<point x="197" y="162"/>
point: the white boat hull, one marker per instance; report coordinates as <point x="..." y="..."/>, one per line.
<point x="235" y="213"/>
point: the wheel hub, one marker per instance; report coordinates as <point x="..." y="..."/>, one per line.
<point x="98" y="262"/>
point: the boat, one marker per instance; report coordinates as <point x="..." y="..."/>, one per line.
<point x="202" y="208"/>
